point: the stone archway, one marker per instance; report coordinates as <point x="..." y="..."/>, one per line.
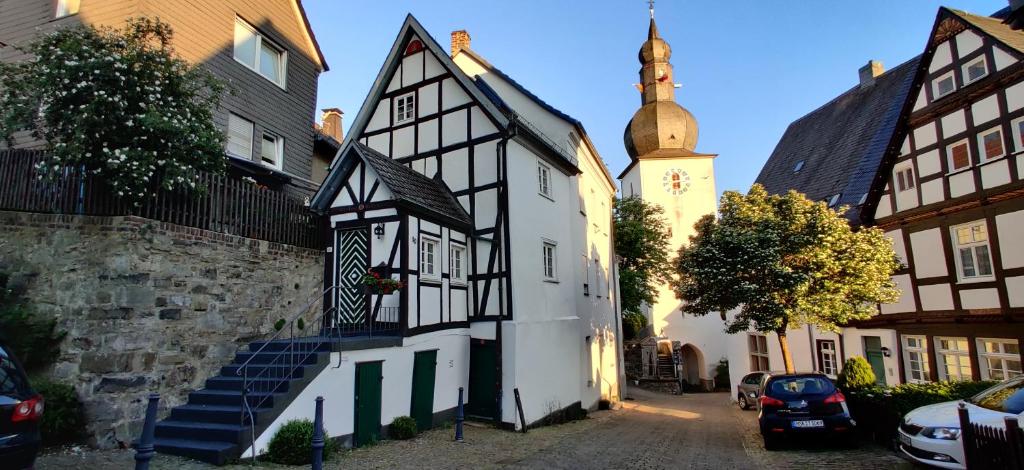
<point x="692" y="362"/>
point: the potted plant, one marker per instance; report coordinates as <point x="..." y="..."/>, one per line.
<point x="375" y="283"/>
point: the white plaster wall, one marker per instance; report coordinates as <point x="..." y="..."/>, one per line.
<point x="966" y="42"/>
<point x="337" y="385"/>
<point x="996" y="173"/>
<point x="1015" y="291"/>
<point x="1014" y="97"/>
<point x="906" y="301"/>
<point x="941" y="58"/>
<point x="884" y="208"/>
<point x="929" y="257"/>
<point x="546" y="369"/>
<point x="928" y="163"/>
<point x="896" y="236"/>
<point x="925" y="135"/>
<point x="961" y="183"/>
<point x="1003" y="59"/>
<point x="931" y="192"/>
<point x="979" y="298"/>
<point x="853" y="345"/>
<point x="936" y="297"/>
<point x="952" y="124"/>
<point x="1010" y="227"/>
<point x="983" y="111"/>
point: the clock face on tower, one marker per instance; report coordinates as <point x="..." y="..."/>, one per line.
<point x="676" y="181"/>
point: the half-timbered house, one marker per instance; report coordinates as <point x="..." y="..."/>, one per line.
<point x="951" y="196"/>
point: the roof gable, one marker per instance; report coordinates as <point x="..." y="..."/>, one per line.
<point x="300" y="12"/>
<point x="410" y="28"/>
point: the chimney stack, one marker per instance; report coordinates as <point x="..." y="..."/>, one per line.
<point x="332" y="123"/>
<point x="868" y="73"/>
<point x="460" y="40"/>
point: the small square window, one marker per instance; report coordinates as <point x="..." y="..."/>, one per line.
<point x="67" y="8"/>
<point x="943" y="85"/>
<point x="550" y="261"/>
<point x="405" y="108"/>
<point x="905" y="179"/>
<point x="272" y="151"/>
<point x="975" y="70"/>
<point x="544" y="180"/>
<point x="990" y="144"/>
<point x="959" y="156"/>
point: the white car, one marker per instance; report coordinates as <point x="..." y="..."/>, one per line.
<point x="931" y="434"/>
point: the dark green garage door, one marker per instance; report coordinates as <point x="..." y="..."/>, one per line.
<point x="423" y="372"/>
<point x="483" y="380"/>
<point x="368" y="391"/>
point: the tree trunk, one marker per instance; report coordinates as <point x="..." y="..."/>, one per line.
<point x="787" y="359"/>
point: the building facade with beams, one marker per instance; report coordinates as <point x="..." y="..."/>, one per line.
<point x="665" y="169"/>
<point x="493" y="209"/>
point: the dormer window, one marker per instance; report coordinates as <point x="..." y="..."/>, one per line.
<point x="67" y="8"/>
<point x="833" y="200"/>
<point x="975" y="70"/>
<point x="799" y="166"/>
<point x="405" y="108"/>
<point x="943" y="85"/>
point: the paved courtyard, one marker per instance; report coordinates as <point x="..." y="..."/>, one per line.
<point x="654" y="431"/>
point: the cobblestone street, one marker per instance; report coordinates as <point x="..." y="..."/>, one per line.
<point x="654" y="431"/>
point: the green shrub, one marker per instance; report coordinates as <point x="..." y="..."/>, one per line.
<point x="856" y="375"/>
<point x="35" y="341"/>
<point x="722" y="374"/>
<point x="292" y="444"/>
<point x="632" y="324"/>
<point x="402" y="428"/>
<point x="63" y="416"/>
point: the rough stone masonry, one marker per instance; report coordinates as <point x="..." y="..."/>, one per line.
<point x="149" y="306"/>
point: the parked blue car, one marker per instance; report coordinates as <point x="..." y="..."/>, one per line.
<point x="21" y="409"/>
<point x="792" y="405"/>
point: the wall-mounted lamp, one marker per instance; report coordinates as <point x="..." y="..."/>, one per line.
<point x="886" y="352"/>
<point x="379" y="231"/>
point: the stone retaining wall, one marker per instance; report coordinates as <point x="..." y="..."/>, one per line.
<point x="149" y="306"/>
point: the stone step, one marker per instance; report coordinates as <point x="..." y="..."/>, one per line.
<point x="225" y="414"/>
<point x="254" y="384"/>
<point x="215" y="452"/>
<point x="274" y="371"/>
<point x="275" y="358"/>
<point x="231" y="398"/>
<point x="303" y="345"/>
<point x="201" y="431"/>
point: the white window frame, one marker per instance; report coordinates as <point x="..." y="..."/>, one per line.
<point x="1002" y="356"/>
<point x="983" y="157"/>
<point x="921" y="351"/>
<point x="963" y="70"/>
<point x="549" y="252"/>
<point x="252" y="132"/>
<point x="278" y="163"/>
<point x="949" y="155"/>
<point x="963" y="358"/>
<point x="907" y="183"/>
<point x="935" y="85"/>
<point x="544" y="181"/>
<point x="67" y="8"/>
<point x="255" y="66"/>
<point x="405" y="108"/>
<point x="457" y="268"/>
<point x="828" y="355"/>
<point x="757" y="353"/>
<point x="1015" y="124"/>
<point x="586" y="275"/>
<point x="973" y="246"/>
<point x="433" y="274"/>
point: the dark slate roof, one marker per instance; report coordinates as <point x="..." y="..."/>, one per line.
<point x="841" y="143"/>
<point x="408" y="185"/>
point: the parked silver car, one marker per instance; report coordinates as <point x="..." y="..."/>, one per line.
<point x="747" y="389"/>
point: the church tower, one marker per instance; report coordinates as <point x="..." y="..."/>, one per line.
<point x="665" y="168"/>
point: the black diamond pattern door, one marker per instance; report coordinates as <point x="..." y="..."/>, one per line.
<point x="352" y="265"/>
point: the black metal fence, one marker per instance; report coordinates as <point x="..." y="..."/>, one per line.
<point x="221" y="203"/>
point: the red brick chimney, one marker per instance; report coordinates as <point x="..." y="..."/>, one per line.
<point x="332" y="123"/>
<point x="460" y="40"/>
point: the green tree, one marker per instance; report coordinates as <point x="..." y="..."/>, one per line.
<point x="784" y="261"/>
<point x="121" y="104"/>
<point x="642" y="245"/>
<point x="857" y="374"/>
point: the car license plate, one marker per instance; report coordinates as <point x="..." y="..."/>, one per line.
<point x="809" y="423"/>
<point x="904" y="439"/>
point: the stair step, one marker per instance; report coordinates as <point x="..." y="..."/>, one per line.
<point x="273" y="371"/>
<point x="254" y="385"/>
<point x="215" y="452"/>
<point x="277" y="359"/>
<point x="201" y="431"/>
<point x="211" y="396"/>
<point x="226" y="414"/>
<point x="299" y="346"/>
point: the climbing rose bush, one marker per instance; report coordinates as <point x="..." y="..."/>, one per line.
<point x="119" y="103"/>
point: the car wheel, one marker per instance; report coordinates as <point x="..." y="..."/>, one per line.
<point x="771" y="443"/>
<point x="742" y="401"/>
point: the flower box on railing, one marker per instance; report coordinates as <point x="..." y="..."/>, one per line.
<point x="377" y="283"/>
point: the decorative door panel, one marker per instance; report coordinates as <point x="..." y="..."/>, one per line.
<point x="353" y="261"/>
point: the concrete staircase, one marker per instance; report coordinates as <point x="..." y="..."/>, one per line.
<point x="665" y="367"/>
<point x="211" y="427"/>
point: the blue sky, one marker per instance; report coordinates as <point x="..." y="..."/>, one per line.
<point x="748" y="68"/>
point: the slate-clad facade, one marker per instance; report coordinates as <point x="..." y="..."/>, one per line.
<point x="205" y="34"/>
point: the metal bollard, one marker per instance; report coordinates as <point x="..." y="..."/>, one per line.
<point x="144" y="451"/>
<point x="318" y="435"/>
<point x="459" y="418"/>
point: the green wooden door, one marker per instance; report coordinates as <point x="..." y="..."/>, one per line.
<point x="873" y="353"/>
<point x="483" y="379"/>
<point x="368" y="395"/>
<point x="423" y="372"/>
